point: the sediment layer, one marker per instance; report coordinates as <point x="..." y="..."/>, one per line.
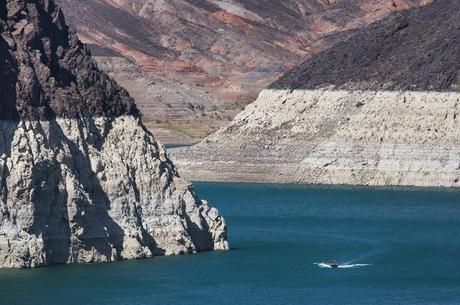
<point x="335" y="137"/>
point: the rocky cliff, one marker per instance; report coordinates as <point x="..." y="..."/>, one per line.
<point x="81" y="178"/>
<point x="381" y="108"/>
<point x="219" y="55"/>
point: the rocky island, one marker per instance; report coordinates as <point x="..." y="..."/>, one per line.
<point x="381" y="108"/>
<point x="82" y="180"/>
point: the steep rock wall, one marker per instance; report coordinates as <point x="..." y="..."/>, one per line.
<point x="90" y="190"/>
<point x="81" y="179"/>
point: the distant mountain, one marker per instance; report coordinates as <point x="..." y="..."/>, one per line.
<point x="235" y="47"/>
<point x="221" y="51"/>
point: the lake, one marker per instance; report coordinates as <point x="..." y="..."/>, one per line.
<point x="396" y="246"/>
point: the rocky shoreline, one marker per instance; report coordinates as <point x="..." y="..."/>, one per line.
<point x="95" y="190"/>
<point x="335" y="137"/>
<point x="81" y="178"/>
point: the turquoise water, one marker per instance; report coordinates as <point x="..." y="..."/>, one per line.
<point x="409" y="237"/>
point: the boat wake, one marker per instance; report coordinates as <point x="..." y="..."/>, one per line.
<point x="342" y="266"/>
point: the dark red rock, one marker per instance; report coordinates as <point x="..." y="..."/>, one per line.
<point x="47" y="72"/>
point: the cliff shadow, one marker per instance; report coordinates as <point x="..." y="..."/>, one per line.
<point x="51" y="220"/>
<point x="201" y="238"/>
<point x="7" y="130"/>
<point x="147" y="239"/>
<point x="91" y="224"/>
<point x="44" y="196"/>
<point x="8" y="115"/>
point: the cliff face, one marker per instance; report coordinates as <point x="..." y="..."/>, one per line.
<point x="379" y="109"/>
<point x="222" y="53"/>
<point x="81" y="178"/>
<point x="52" y="70"/>
<point x="335" y="137"/>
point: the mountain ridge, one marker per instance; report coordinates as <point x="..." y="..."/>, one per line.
<point x="217" y="43"/>
<point x="403" y="52"/>
<point x="59" y="79"/>
<point x="220" y="54"/>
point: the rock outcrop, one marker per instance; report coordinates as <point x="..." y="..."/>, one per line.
<point x="379" y="109"/>
<point x="82" y="180"/>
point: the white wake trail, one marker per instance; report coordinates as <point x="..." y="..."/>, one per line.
<point x="344" y="266"/>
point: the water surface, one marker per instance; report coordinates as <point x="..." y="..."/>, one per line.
<point x="403" y="246"/>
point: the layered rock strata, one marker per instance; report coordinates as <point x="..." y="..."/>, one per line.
<point x="174" y="112"/>
<point x="234" y="48"/>
<point x="82" y="180"/>
<point x="381" y="108"/>
<point x="335" y="137"/>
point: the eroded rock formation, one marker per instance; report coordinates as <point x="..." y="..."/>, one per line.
<point x="81" y="179"/>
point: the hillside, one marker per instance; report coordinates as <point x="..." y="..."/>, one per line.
<point x="381" y="108"/>
<point x="218" y="54"/>
<point x="416" y="50"/>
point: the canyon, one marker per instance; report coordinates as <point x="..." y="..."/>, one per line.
<point x="193" y="65"/>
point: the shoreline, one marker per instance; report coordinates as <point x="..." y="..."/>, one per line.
<point x="338" y="137"/>
<point x="194" y="174"/>
<point x="333" y="186"/>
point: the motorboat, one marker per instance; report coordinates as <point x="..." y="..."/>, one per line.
<point x="333" y="264"/>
